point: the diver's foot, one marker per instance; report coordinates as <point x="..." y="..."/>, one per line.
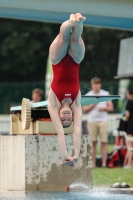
<point x="73" y="20"/>
<point x="80" y="18"/>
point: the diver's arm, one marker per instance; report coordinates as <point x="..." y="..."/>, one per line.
<point x="77" y="121"/>
<point x="53" y="111"/>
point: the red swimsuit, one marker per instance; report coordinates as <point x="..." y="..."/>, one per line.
<point x="65" y="82"/>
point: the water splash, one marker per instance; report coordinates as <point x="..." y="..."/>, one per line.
<point x="79" y="186"/>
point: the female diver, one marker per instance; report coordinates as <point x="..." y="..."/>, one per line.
<point x="66" y="53"/>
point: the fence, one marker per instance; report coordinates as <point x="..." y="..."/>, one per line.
<point x="112" y="125"/>
<point x="11" y="94"/>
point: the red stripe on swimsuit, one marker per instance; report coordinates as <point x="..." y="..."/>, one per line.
<point x="65" y="82"/>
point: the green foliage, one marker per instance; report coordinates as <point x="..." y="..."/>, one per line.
<point x="24" y="47"/>
<point x="102" y="50"/>
<point x="107" y="177"/>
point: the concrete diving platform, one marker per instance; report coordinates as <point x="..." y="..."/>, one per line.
<point x="33" y="162"/>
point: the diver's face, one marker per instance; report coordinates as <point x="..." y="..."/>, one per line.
<point x="65" y="116"/>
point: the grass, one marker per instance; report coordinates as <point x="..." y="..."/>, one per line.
<point x="106" y="176"/>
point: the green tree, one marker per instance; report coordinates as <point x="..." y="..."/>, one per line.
<point x="102" y="51"/>
<point x="24" y="48"/>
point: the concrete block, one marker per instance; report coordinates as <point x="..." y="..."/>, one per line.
<point x="12" y="163"/>
<point x="34" y="163"/>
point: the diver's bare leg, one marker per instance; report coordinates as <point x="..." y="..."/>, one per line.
<point x="77" y="47"/>
<point x="59" y="46"/>
<point x="76" y="51"/>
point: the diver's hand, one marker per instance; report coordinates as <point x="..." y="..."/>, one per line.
<point x="69" y="161"/>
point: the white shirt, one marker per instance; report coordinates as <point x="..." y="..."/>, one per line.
<point x="95" y="115"/>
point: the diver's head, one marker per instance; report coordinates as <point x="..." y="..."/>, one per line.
<point x="65" y="115"/>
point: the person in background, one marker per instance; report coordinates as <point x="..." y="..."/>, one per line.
<point x="98" y="119"/>
<point x="37" y="95"/>
<point x="129" y="127"/>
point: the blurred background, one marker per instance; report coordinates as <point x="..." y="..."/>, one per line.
<point x="24" y="50"/>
